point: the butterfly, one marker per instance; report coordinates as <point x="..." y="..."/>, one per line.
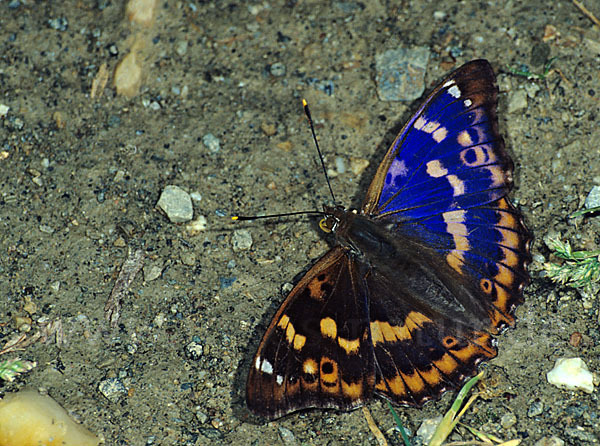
<point x="406" y="304"/>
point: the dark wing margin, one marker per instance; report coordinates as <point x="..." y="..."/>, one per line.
<point x="317" y="351"/>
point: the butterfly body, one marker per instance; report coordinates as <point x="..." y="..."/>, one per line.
<point x="419" y="279"/>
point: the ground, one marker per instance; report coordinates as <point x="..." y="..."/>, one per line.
<point x="80" y="177"/>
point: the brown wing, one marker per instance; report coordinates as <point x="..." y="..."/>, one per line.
<point x="419" y="352"/>
<point x="317" y="351"/>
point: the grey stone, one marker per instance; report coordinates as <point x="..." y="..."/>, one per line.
<point x="401" y="73"/>
<point x="177" y="204"/>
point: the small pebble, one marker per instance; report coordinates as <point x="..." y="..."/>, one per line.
<point x="152" y="272"/>
<point x="427" y="429"/>
<point x="508" y="420"/>
<point x="593" y="198"/>
<point x="211" y="142"/>
<point x="358" y="165"/>
<point x="112" y="389"/>
<point x="141" y="11"/>
<point x="128" y="76"/>
<point x="176" y="204"/>
<point x="241" y="240"/>
<point x="517" y="101"/>
<point x="46" y="229"/>
<point x="4" y="110"/>
<point x="287" y="436"/>
<point x="188" y="258"/>
<point x="572" y="374"/>
<point x="181" y="47"/>
<point x="277" y="69"/>
<point x="268" y="129"/>
<point x="401" y="73"/>
<point x="575" y="339"/>
<point x="202" y="417"/>
<point x="536" y="408"/>
<point x="194" y="350"/>
<point x="59" y="24"/>
<point x="226" y="282"/>
<point x="549" y="441"/>
<point x="340" y="165"/>
<point x="196" y="226"/>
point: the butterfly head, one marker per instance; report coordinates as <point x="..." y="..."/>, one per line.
<point x="335" y="218"/>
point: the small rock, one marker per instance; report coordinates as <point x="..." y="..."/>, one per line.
<point x="112" y="389"/>
<point x="277" y="69"/>
<point x="549" y="441"/>
<point x="128" y="76"/>
<point x="211" y="142"/>
<point x="268" y="128"/>
<point x="593" y="198"/>
<point x="540" y="52"/>
<point x="176" y="203"/>
<point x="358" y="165"/>
<point x="194" y="350"/>
<point x="508" y="420"/>
<point x="141" y="11"/>
<point x="340" y="165"/>
<point x="401" y="73"/>
<point x="241" y="240"/>
<point x="572" y="374"/>
<point x="188" y="258"/>
<point x="59" y="24"/>
<point x="202" y="417"/>
<point x="226" y="282"/>
<point x="4" y="110"/>
<point x="196" y="226"/>
<point x="581" y="436"/>
<point x="181" y="47"/>
<point x="46" y="229"/>
<point x="287" y="436"/>
<point x="120" y="242"/>
<point x="427" y="429"/>
<point x="517" y="101"/>
<point x="536" y="408"/>
<point x="152" y="272"/>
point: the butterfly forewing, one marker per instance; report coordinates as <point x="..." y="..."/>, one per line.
<point x="317" y="350"/>
<point x="449" y="155"/>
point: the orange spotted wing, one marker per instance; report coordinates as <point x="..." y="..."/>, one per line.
<point x="434" y="263"/>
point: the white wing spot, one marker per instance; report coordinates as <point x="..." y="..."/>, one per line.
<point x="279" y="380"/>
<point x="266" y="367"/>
<point x="454" y="91"/>
<point x="468" y="102"/>
<point x="398" y="168"/>
<point x="450" y="82"/>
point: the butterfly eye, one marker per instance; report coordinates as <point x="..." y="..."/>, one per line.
<point x="325" y="225"/>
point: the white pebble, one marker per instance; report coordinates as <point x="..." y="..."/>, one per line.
<point x="211" y="142"/>
<point x="572" y="374"/>
<point x="241" y="240"/>
<point x="176" y="203"/>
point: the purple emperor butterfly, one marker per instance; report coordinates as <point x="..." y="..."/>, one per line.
<point x="405" y="305"/>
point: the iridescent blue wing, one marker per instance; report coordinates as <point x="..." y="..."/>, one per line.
<point x="443" y="184"/>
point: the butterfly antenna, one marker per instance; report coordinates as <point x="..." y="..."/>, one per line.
<point x="312" y="129"/>
<point x="286" y="214"/>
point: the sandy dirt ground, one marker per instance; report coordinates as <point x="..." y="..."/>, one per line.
<point x="80" y="177"/>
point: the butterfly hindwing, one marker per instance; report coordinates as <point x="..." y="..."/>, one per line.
<point x="317" y="350"/>
<point x="419" y="355"/>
